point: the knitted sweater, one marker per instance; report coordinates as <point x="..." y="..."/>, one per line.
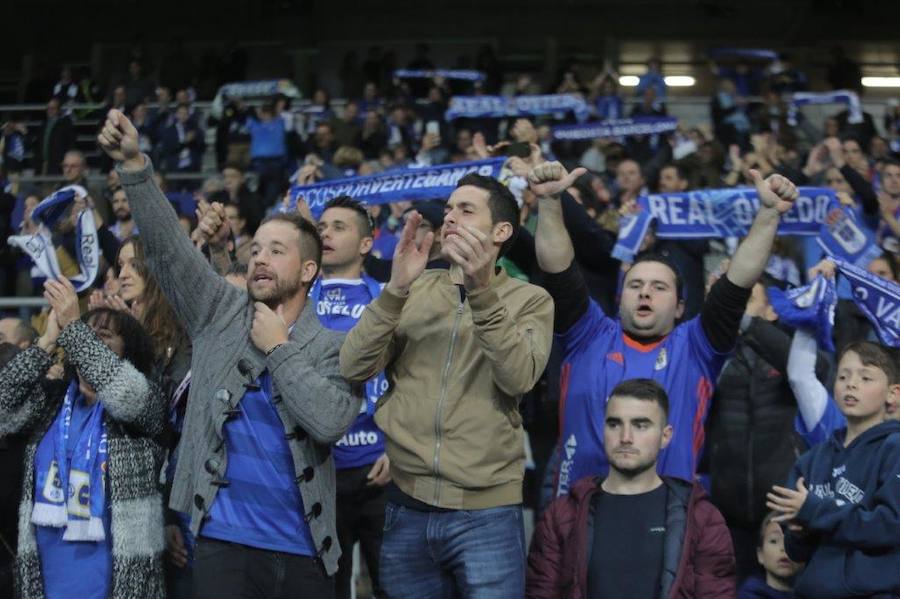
<point x="134" y="410"/>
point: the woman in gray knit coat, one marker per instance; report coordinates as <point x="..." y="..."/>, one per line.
<point x="93" y="434"/>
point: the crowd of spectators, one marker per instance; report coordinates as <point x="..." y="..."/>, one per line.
<point x="247" y="157"/>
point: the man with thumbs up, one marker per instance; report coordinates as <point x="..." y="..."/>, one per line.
<point x="646" y="341"/>
<point x="266" y="400"/>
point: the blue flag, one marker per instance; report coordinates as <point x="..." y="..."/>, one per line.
<point x="513" y="106"/>
<point x="435" y="182"/>
<point x="649" y="125"/>
<point x="461" y="74"/>
<point x="877" y="298"/>
<point x="810" y="308"/>
<point x="843" y="238"/>
<point x="716" y="213"/>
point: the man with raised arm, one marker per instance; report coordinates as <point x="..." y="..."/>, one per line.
<point x="255" y="471"/>
<point x="646" y="340"/>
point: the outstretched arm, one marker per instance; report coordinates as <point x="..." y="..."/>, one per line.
<point x="185" y="277"/>
<point x="724" y="306"/>
<point x="776" y="196"/>
<point x="551" y="241"/>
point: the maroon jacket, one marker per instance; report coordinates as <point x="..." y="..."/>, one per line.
<point x="698" y="558"/>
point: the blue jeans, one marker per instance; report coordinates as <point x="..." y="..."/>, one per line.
<point x="477" y="554"/>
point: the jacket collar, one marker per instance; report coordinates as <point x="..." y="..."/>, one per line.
<point x="307" y="325"/>
<point x="498" y="279"/>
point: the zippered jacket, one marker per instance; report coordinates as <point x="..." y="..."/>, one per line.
<point x="698" y="555"/>
<point x="457" y="368"/>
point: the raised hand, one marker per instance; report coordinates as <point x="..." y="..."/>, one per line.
<point x="817" y="160"/>
<point x="119" y="139"/>
<point x="550" y="179"/>
<point x="835" y="151"/>
<point x="63" y="300"/>
<point x="47" y="341"/>
<point x="480" y="145"/>
<point x="471" y="250"/>
<point x="776" y="191"/>
<point x="410" y="258"/>
<point x="212" y="225"/>
<point x="826" y="268"/>
<point x="96" y="300"/>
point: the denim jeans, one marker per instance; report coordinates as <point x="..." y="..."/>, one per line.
<point x="477" y="554"/>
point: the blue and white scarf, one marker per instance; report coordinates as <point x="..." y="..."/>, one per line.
<point x="877" y="298"/>
<point x="252" y="89"/>
<point x="39" y="246"/>
<point x="810" y="308"/>
<point x="435" y="182"/>
<point x="841" y="96"/>
<point x="649" y="125"/>
<point x="842" y="237"/>
<point x="461" y="74"/>
<point x="71" y="494"/>
<point x="717" y="213"/>
<point x="513" y="106"/>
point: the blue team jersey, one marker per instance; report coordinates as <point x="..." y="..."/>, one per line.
<point x="261" y="506"/>
<point x="339" y="304"/>
<point x="598" y="356"/>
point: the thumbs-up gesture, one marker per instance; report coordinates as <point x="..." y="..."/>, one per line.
<point x="776" y="191"/>
<point x="119" y="139"/>
<point x="550" y="179"/>
<point x="212" y="225"/>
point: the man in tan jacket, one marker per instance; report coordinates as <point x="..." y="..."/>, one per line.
<point x="459" y="348"/>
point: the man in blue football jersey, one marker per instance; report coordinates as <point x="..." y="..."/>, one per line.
<point x="340" y="295"/>
<point x="645" y="341"/>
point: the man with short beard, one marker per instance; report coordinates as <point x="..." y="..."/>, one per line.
<point x="634" y="533"/>
<point x="266" y="400"/>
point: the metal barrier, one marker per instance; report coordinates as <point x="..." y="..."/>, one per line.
<point x="22" y="302"/>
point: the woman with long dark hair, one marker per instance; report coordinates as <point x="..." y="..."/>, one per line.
<point x="144" y="299"/>
<point x="91" y="520"/>
<point x="146" y="302"/>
